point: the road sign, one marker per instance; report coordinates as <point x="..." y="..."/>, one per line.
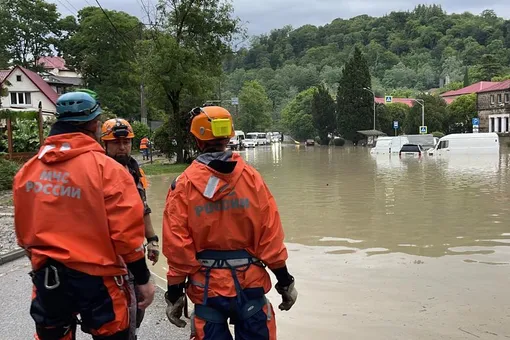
<point x="423" y="129"/>
<point x="235" y="101"/>
<point x="476" y="121"/>
<point x="395" y="124"/>
<point x="388" y="99"/>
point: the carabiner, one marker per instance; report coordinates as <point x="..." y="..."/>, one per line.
<point x="119" y="282"/>
<point x="47" y="278"/>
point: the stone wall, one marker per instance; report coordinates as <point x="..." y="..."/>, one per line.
<point x="485" y="108"/>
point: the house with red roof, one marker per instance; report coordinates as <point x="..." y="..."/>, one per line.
<point x="493" y="106"/>
<point x="26" y="90"/>
<point x="61" y="78"/>
<point x="408" y="101"/>
<point x="450" y="96"/>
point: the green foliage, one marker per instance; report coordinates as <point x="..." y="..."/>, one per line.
<point x="163" y="140"/>
<point x="435" y="113"/>
<point x="8" y="170"/>
<point x="501" y="78"/>
<point x="460" y="114"/>
<point x="323" y="113"/>
<point x="387" y="113"/>
<point x="25" y="135"/>
<point x="437" y="134"/>
<point x="185" y="56"/>
<point x="105" y="56"/>
<point x="466" y="77"/>
<point x="297" y="116"/>
<point x="255" y="108"/>
<point x="354" y="104"/>
<point x="140" y="130"/>
<point x="451" y="87"/>
<point x="490" y="67"/>
<point x="27" y="30"/>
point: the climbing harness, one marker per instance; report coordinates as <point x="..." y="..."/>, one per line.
<point x="237" y="261"/>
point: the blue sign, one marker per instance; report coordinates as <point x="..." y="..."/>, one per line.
<point x="395" y="124"/>
<point x="423" y="129"/>
<point x="476" y="121"/>
<point x="388" y="99"/>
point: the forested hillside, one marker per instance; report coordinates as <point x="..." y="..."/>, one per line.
<point x="407" y="53"/>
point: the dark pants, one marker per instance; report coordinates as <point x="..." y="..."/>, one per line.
<point x="260" y="326"/>
<point x="101" y="302"/>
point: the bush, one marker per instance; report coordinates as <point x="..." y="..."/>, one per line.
<point x="25" y="135"/>
<point x="437" y="134"/>
<point x="7" y="171"/>
<point x="338" y="142"/>
<point x="140" y="130"/>
<point x="163" y="141"/>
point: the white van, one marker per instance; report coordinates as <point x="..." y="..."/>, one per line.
<point x="467" y="143"/>
<point x="261" y="138"/>
<point x="389" y="145"/>
<point x="251" y="140"/>
<point x="236" y="142"/>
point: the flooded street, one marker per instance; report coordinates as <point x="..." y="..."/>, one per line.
<point x="387" y="248"/>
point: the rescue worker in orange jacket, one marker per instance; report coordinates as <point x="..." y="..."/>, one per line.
<point x="221" y="227"/>
<point x="117" y="135"/>
<point x="79" y="217"/>
<point x="144" y="147"/>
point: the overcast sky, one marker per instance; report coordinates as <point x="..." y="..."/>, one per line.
<point x="261" y="16"/>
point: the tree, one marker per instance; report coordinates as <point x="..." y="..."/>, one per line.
<point x="490" y="67"/>
<point x="460" y="114"/>
<point x="104" y="56"/>
<point x="354" y="104"/>
<point x="26" y="30"/>
<point x="400" y="76"/>
<point x="435" y="114"/>
<point x="466" y="77"/>
<point x="185" y="55"/>
<point x="323" y="113"/>
<point x="388" y="113"/>
<point x="297" y="115"/>
<point x="255" y="108"/>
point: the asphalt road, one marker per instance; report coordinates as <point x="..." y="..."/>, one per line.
<point x="16" y="323"/>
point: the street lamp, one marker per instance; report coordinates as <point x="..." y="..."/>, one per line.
<point x="372" y="92"/>
<point x="422" y="103"/>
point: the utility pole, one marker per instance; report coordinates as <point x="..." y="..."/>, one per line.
<point x="422" y="104"/>
<point x="373" y="93"/>
<point x="143" y="109"/>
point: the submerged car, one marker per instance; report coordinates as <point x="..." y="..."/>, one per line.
<point x="411" y="150"/>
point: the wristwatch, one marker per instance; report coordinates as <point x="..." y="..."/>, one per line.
<point x="153" y="239"/>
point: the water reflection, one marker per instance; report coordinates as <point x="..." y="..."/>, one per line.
<point x="382" y="235"/>
<point x="426" y="206"/>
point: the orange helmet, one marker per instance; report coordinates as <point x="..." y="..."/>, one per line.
<point x="211" y="122"/>
<point x="116" y="128"/>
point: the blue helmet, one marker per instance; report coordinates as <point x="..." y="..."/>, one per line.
<point x="77" y="107"/>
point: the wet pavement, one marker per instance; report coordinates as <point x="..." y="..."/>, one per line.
<point x="16" y="323"/>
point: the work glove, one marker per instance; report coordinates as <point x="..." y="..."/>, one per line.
<point x="174" y="311"/>
<point x="289" y="296"/>
<point x="153" y="252"/>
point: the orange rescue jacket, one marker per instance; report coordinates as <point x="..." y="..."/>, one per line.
<point x="209" y="210"/>
<point x="144" y="143"/>
<point x="77" y="206"/>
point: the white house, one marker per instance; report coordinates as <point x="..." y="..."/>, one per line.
<point x="25" y="90"/>
<point x="58" y="75"/>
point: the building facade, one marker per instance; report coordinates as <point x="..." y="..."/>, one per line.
<point x="493" y="106"/>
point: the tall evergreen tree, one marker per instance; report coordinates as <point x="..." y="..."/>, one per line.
<point x="466" y="77"/>
<point x="354" y="103"/>
<point x="323" y="113"/>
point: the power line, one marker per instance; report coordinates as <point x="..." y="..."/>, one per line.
<point x="70" y="4"/>
<point x="65" y="6"/>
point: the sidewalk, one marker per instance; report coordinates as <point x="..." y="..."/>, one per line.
<point x="16" y="323"/>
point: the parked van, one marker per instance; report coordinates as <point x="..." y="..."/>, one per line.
<point x="251" y="140"/>
<point x="467" y="143"/>
<point x="426" y="141"/>
<point x="236" y="142"/>
<point x="389" y="145"/>
<point x="262" y="139"/>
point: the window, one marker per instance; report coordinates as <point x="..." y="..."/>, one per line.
<point x="499" y="98"/>
<point x="21" y="98"/>
<point x="18" y="78"/>
<point x="492" y="99"/>
<point x="507" y="97"/>
<point x="443" y="145"/>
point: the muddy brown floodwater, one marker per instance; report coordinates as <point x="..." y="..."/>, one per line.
<point x="387" y="248"/>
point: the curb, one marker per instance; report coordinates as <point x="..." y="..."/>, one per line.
<point x="11" y="256"/>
